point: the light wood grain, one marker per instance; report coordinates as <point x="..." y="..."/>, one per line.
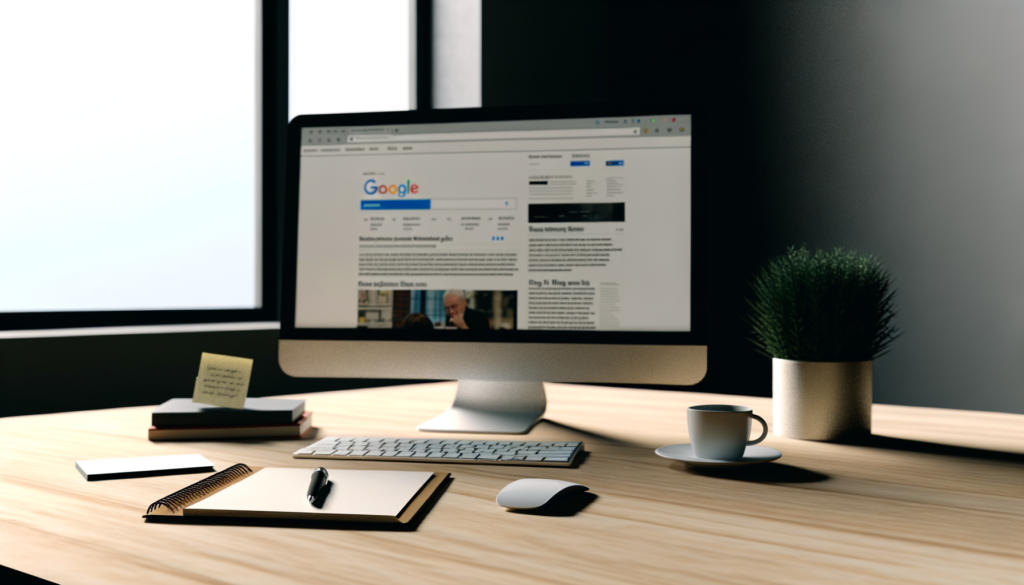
<point x="907" y="509"/>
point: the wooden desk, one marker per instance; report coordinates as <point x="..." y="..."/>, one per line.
<point x="908" y="510"/>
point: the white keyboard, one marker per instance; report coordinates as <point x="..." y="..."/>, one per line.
<point x="544" y="453"/>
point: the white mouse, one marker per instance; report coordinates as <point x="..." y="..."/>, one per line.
<point x="524" y="494"/>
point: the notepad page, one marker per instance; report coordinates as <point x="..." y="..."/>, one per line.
<point x="353" y="492"/>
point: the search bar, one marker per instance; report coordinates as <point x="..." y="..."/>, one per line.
<point x="427" y="204"/>
<point x="503" y="135"/>
<point x="473" y="203"/>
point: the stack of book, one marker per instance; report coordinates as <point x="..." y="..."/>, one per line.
<point x="182" y="419"/>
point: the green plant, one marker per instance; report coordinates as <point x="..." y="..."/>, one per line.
<point x="824" y="307"/>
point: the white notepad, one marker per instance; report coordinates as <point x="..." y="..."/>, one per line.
<point x="282" y="491"/>
<point x="96" y="469"/>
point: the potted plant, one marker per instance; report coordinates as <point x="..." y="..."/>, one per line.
<point x="823" y="318"/>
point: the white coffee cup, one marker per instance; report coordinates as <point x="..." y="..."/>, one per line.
<point x="722" y="431"/>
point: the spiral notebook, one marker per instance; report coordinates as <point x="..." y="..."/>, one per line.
<point x="279" y="493"/>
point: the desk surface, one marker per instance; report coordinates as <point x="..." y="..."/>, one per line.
<point x="938" y="497"/>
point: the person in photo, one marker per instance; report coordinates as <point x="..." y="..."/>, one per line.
<point x="416" y="321"/>
<point x="462" y="317"/>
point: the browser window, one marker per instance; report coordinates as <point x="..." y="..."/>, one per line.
<point x="544" y="225"/>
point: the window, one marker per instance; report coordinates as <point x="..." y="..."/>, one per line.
<point x="130" y="155"/>
<point x="130" y="191"/>
<point x="351" y="56"/>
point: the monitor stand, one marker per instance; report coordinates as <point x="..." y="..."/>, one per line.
<point x="487" y="406"/>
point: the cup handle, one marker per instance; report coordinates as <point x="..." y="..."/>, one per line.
<point x="764" y="431"/>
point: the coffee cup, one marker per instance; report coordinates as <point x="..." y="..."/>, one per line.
<point x="722" y="431"/>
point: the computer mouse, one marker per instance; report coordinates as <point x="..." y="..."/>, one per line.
<point x="524" y="494"/>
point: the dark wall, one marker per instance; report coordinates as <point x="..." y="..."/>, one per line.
<point x="889" y="127"/>
<point x="556" y="48"/>
<point x="895" y="128"/>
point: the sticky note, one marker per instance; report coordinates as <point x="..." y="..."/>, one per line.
<point x="223" y="380"/>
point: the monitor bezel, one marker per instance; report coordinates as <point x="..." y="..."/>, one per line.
<point x="698" y="246"/>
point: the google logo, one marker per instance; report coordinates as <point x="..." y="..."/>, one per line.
<point x="371" y="187"/>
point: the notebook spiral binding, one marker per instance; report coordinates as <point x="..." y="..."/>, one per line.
<point x="182" y="497"/>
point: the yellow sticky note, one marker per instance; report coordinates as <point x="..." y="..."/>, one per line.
<point x="223" y="380"/>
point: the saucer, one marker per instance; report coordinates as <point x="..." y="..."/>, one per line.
<point x="752" y="455"/>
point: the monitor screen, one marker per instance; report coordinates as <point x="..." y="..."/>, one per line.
<point x="572" y="224"/>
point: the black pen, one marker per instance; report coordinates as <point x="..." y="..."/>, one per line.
<point x="316" y="483"/>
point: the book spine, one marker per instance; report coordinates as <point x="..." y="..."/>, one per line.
<point x="246" y="432"/>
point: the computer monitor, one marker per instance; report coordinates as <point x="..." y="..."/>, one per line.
<point x="500" y="247"/>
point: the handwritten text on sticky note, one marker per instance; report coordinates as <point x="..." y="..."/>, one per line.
<point x="223" y="380"/>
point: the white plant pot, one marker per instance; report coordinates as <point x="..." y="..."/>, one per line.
<point x="821" y="401"/>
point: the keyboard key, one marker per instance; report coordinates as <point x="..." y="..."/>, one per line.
<point x="534" y="458"/>
<point x="390" y="453"/>
<point x="468" y="456"/>
<point x="418" y="455"/>
<point x="488" y="457"/>
<point x="435" y="455"/>
<point x="404" y="454"/>
<point x="374" y="453"/>
<point x="558" y="458"/>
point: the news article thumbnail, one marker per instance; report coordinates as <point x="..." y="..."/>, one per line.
<point x="453" y="309"/>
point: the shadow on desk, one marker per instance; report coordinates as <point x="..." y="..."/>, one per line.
<point x="411" y="526"/>
<point x="583" y="435"/>
<point x="9" y="576"/>
<point x="763" y="473"/>
<point x="564" y="504"/>
<point x="892" y="443"/>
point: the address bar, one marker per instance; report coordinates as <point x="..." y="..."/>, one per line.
<point x="505" y="135"/>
